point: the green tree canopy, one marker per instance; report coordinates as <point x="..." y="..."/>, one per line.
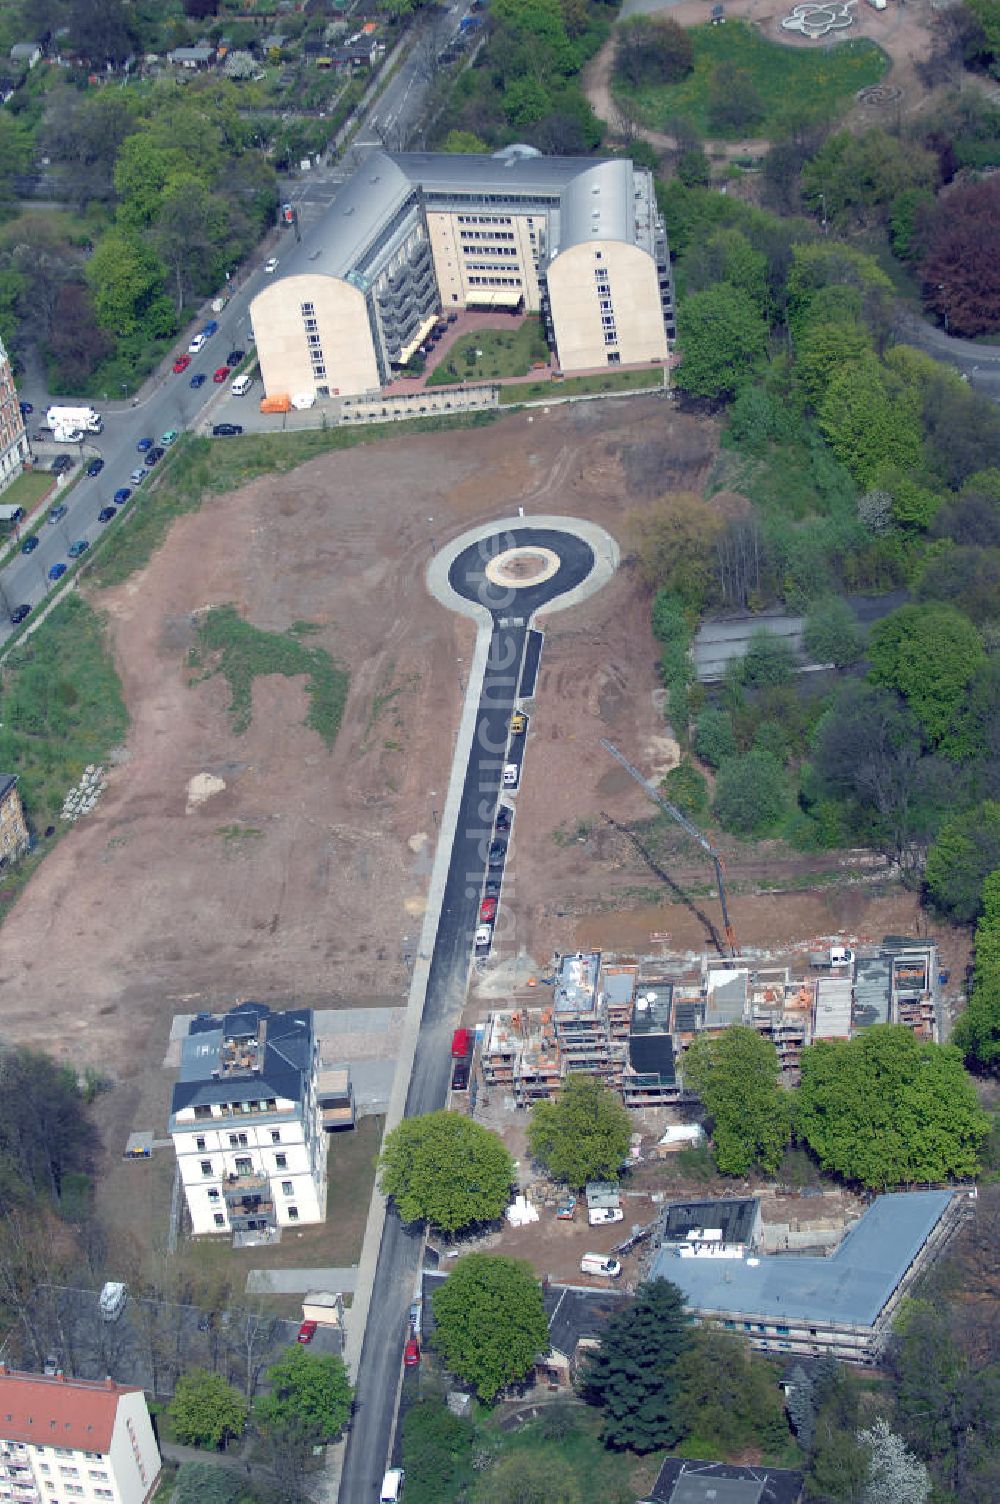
<point x="447" y="1170"/>
<point x="726" y="1395"/>
<point x="751" y="793"/>
<point x="861" y="175"/>
<point x="977" y="1031"/>
<point x="869" y="423"/>
<point x="583" y="1134"/>
<point x="206" y="1483"/>
<point x="633" y="1376"/>
<point x="490" y="1325"/>
<point x="308" y="1393"/>
<point x="206" y="1411"/>
<point x="723" y="339"/>
<point x="820" y="266"/>
<point x="437" y="1446"/>
<point x="736" y="1074"/>
<point x="832" y="634"/>
<point x="714" y="741"/>
<point x="929" y="654"/>
<point x="536" y="1477"/>
<point x="965" y="853"/>
<point x="886" y="1109"/>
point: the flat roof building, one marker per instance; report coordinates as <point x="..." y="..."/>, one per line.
<point x="842" y="1305"/>
<point x="411" y="236"/>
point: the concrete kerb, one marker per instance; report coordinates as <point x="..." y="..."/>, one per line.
<point x="606" y="556"/>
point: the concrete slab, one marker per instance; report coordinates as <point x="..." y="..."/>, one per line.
<point x="301" y="1281"/>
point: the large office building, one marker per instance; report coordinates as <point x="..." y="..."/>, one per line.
<point x="413" y="237"/>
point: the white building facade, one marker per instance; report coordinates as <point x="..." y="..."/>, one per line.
<point x="13" y="439"/>
<point x="75" y="1441"/>
<point x="246" y="1122"/>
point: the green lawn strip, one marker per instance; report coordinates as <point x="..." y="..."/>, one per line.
<point x="204" y="467"/>
<point x="574" y="386"/>
<point x="787" y="79"/>
<point x="61" y="707"/>
<point x="491" y="354"/>
<point x="241" y="652"/>
<point x="28" y="489"/>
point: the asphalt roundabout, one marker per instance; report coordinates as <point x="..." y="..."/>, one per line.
<point x="520" y="566"/>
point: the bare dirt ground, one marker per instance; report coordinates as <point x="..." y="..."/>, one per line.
<point x="904" y="31"/>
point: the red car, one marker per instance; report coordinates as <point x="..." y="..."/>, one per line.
<point x="222" y="374"/>
<point x="411" y="1354"/>
<point x="487" y="910"/>
<point x="307" y="1331"/>
<point x="181" y="364"/>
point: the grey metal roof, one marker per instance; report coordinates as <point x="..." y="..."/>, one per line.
<point x="366" y="202"/>
<point x="848" y="1289"/>
<point x="871" y="991"/>
<point x="691" y="1481"/>
<point x="598" y="205"/>
<point x="284" y="1065"/>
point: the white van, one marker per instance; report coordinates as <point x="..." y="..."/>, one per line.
<point x="392" y="1486"/>
<point x="511" y="773"/>
<point x="598" y="1215"/>
<point x="484" y="939"/>
<point x="598" y="1263"/>
<point x="241" y="385"/>
<point x="112" y="1300"/>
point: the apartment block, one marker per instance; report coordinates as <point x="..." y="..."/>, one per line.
<point x="250" y="1121"/>
<point x="74" y="1441"/>
<point x="14" y="835"/>
<point x="13" y="439"/>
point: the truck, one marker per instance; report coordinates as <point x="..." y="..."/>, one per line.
<point x="69" y="424"/>
<point x="599" y="1263"/>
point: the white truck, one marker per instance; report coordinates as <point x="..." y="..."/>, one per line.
<point x="112" y="1300"/>
<point x="600" y="1263"/>
<point x="69" y="424"/>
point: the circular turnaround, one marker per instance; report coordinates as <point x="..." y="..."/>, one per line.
<point x="522" y="566"/>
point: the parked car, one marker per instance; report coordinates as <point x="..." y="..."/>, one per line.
<point x="57" y="512"/>
<point x="196" y="344"/>
<point x="61" y="464"/>
<point x="197" y="380"/>
<point x="170" y="437"/>
<point x="154" y="455"/>
<point x="411" y="1354"/>
<point x="492" y="887"/>
<point x="460" y="1076"/>
<point x="511" y="774"/>
<point x="227" y="430"/>
<point x="121" y="496"/>
<point x="271" y="264"/>
<point x="18" y="614"/>
<point x="95" y="467"/>
<point x="498" y="850"/>
<point x="503" y="818"/>
<point x="57" y="571"/>
<point x="307" y="1331"/>
<point x="137" y="477"/>
<point x="30" y="544"/>
<point x="488" y="910"/>
<point x="26" y="408"/>
<point x="79" y="547"/>
<point x="106" y="513"/>
<point x="234" y="357"/>
<point x="181" y="364"/>
<point x="221" y="375"/>
<point x="143" y="445"/>
<point x="212" y="327"/>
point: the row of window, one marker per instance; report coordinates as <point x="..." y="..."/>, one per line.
<point x="484" y="219"/>
<point x="219" y="1219"/>
<point x="491" y="235"/>
<point x="235" y="1109"/>
<point x="509" y="251"/>
<point x="494" y="282"/>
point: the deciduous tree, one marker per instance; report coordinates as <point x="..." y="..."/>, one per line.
<point x="929" y="654"/>
<point x="736" y="1074"/>
<point x="633" y="1376"/>
<point x="723" y="340"/>
<point x="832" y="634"/>
<point x="545" y="1479"/>
<point x="961" y="271"/>
<point x="886" y="1109"/>
<point x="447" y="1170"/>
<point x="490" y="1325"/>
<point x="751" y="793"/>
<point x="309" y="1391"/>
<point x="206" y="1411"/>
<point x="672" y="543"/>
<point x="583" y="1134"/>
<point x="652" y="50"/>
<point x="893" y="1471"/>
<point x="726" y="1395"/>
<point x="964" y="855"/>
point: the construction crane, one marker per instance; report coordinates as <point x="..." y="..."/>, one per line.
<point x="690" y="829"/>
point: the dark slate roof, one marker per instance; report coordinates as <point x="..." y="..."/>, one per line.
<point x="576" y="1314"/>
<point x="287" y="1057"/>
<point x="689" y="1481"/>
<point x="7" y="782"/>
<point x="735" y="1216"/>
<point x="652" y="1055"/>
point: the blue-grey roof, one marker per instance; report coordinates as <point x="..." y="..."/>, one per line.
<point x="283" y="1064"/>
<point x="848" y="1289"/>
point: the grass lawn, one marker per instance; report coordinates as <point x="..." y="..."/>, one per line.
<point x="612" y="381"/>
<point x="30" y="487"/>
<point x="788" y="80"/>
<point x="239" y="651"/>
<point x="490" y="354"/>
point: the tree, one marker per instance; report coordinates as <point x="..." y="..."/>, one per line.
<point x="886" y="1109"/>
<point x="723" y="339"/>
<point x="239" y="64"/>
<point x="823" y="347"/>
<point x="672" y="542"/>
<point x="977" y="1032"/>
<point x="436" y="1449"/>
<point x="15" y="154"/>
<point x="736" y="1074"/>
<point x="447" y="1170"/>
<point x="125" y="279"/>
<point x="714" y="741"/>
<point x="490" y="1325"/>
<point x="967" y="578"/>
<point x="76" y="344"/>
<point x="869" y="424"/>
<point x="652" y="50"/>
<point x="961" y="271"/>
<point x="768" y="661"/>
<point x="205" y="1483"/>
<point x="893" y="1471"/>
<point x="965" y="853"/>
<point x="514" y="1480"/>
<point x="728" y="256"/>
<point x="45" y="1132"/>
<point x="633" y="1376"/>
<point x="929" y="654"/>
<point x="463" y="141"/>
<point x="832" y="634"/>
<point x="583" y="1134"/>
<point x="858" y="177"/>
<point x="308" y="1391"/>
<point x="733" y="101"/>
<point x="206" y="1411"/>
<point x="103" y="30"/>
<point x="751" y="793"/>
<point x="726" y="1395"/>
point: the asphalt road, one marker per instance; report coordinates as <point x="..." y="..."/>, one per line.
<point x="400" y="1253"/>
<point x="980" y="364"/>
